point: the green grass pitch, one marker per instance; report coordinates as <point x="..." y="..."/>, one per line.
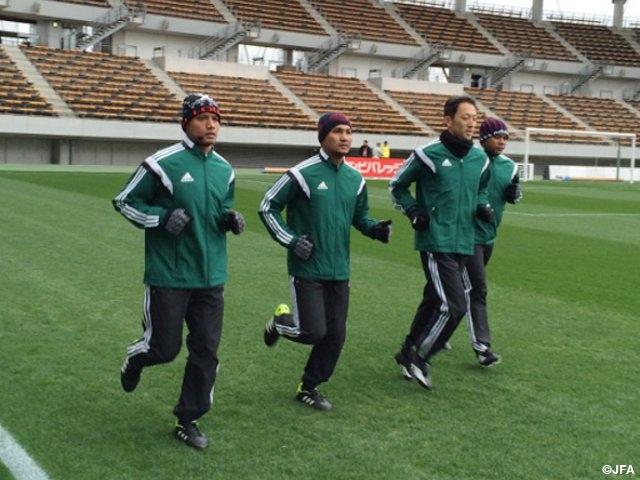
<point x="563" y="307"/>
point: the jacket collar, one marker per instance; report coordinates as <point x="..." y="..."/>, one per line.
<point x="325" y="158"/>
<point x="190" y="145"/>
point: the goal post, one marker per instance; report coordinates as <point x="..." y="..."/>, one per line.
<point x="592" y="133"/>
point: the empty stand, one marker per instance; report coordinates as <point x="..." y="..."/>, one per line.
<point x="428" y="107"/>
<point x="634" y="103"/>
<point x="442" y="26"/>
<point x="276" y="15"/>
<point x="100" y="85"/>
<point x="522" y="37"/>
<point x="599" y="43"/>
<point x="367" y="111"/>
<point x="425" y="106"/>
<point x="364" y="18"/>
<point x="521" y="110"/>
<point x="17" y="94"/>
<point x="195" y="9"/>
<point x="602" y="114"/>
<point x="246" y="102"/>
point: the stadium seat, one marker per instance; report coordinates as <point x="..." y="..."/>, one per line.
<point x="368" y="112"/>
<point x="598" y="43"/>
<point x="522" y="37"/>
<point x="85" y="80"/>
<point x="601" y="114"/>
<point x="194" y="9"/>
<point x="247" y="102"/>
<point x="276" y="15"/>
<point x="441" y="26"/>
<point x="17" y="94"/>
<point x="363" y="18"/>
<point x="523" y="109"/>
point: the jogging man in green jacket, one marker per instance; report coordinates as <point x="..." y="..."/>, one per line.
<point x="504" y="187"/>
<point x="182" y="197"/>
<point x="451" y="177"/>
<point x="323" y="197"/>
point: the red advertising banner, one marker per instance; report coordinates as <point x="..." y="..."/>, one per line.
<point x="376" y="168"/>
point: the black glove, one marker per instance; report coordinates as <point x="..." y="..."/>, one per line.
<point x="234" y="221"/>
<point x="513" y="192"/>
<point x="419" y="220"/>
<point x="303" y="248"/>
<point x="175" y="220"/>
<point x="382" y="231"/>
<point x="485" y="213"/>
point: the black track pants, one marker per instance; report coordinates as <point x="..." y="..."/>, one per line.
<point x="444" y="302"/>
<point x="477" y="317"/>
<point x="165" y="311"/>
<point x="320" y="319"/>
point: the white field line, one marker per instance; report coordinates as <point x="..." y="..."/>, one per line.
<point x="19" y="463"/>
<point x="507" y="211"/>
<point x="573" y="214"/>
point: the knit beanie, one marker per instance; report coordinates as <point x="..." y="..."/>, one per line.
<point x="328" y="121"/>
<point x="195" y="104"/>
<point x="491" y="127"/>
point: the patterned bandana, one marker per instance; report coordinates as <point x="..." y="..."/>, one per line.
<point x="195" y="104"/>
<point x="492" y="127"/>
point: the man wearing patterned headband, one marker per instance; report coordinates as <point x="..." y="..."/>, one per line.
<point x="324" y="197"/>
<point x="182" y="197"/>
<point x="504" y="187"/>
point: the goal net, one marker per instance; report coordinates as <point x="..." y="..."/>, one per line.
<point x="617" y="148"/>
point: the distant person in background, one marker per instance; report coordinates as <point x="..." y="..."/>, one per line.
<point x="504" y="187"/>
<point x="323" y="197"/>
<point x="385" y="151"/>
<point x="377" y="150"/>
<point x="182" y="197"/>
<point x="365" y="149"/>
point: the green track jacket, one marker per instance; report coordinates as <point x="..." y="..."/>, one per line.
<point x="181" y="176"/>
<point x="503" y="169"/>
<point x="449" y="189"/>
<point x="322" y="201"/>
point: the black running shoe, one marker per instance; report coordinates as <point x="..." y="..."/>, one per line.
<point x="129" y="376"/>
<point x="488" y="358"/>
<point x="271" y="335"/>
<point x="190" y="434"/>
<point x="420" y="369"/>
<point x="313" y="398"/>
<point x="402" y="359"/>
